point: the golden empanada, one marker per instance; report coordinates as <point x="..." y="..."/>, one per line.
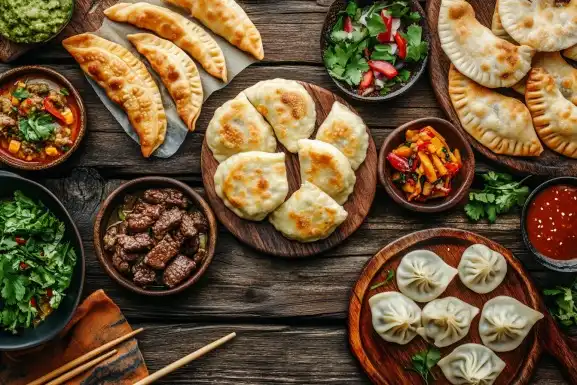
<point x="497" y="27"/>
<point x="500" y="123"/>
<point x="227" y="19"/>
<point x="177" y="71"/>
<point x="126" y="81"/>
<point x="176" y="28"/>
<point x="554" y="117"/>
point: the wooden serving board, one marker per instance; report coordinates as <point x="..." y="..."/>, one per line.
<point x="262" y="235"/>
<point x="384" y="362"/>
<point x="548" y="163"/>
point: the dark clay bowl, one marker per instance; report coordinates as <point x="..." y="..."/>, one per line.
<point x="49" y="73"/>
<point x="567" y="266"/>
<point x="55" y="322"/>
<point x="110" y="206"/>
<point x="416" y="70"/>
<point x="460" y="184"/>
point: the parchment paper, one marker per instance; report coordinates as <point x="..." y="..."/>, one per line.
<point x="236" y="61"/>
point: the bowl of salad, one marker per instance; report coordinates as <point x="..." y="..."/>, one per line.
<point x="375" y="50"/>
<point x="41" y="264"/>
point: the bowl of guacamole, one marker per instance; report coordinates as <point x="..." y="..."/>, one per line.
<point x="34" y="21"/>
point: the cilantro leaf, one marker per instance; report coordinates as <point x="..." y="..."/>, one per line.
<point x="351" y="9"/>
<point x="355" y="69"/>
<point x="412" y="17"/>
<point x="64" y="91"/>
<point x="375" y="24"/>
<point x="424" y="361"/>
<point x="36" y="127"/>
<point x="416" y="48"/>
<point x="20" y="93"/>
<point x="475" y="211"/>
<point x="562" y="303"/>
<point x="404" y="75"/>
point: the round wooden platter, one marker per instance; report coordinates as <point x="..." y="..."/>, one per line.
<point x="548" y="163"/>
<point x="262" y="235"/>
<point x="385" y="362"/>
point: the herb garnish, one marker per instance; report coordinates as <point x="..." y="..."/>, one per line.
<point x="20" y="93"/>
<point x="36" y="127"/>
<point x="390" y="275"/>
<point x="422" y="363"/>
<point x="64" y="92"/>
<point x="500" y="195"/>
<point x="563" y="304"/>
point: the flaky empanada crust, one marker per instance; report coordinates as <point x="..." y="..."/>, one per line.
<point x="497" y="27"/>
<point x="126" y="81"/>
<point x="177" y="71"/>
<point x="176" y="28"/>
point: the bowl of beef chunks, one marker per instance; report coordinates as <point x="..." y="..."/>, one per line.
<point x="155" y="236"/>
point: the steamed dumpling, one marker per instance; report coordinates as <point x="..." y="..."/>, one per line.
<point x="482" y="269"/>
<point x="308" y="215"/>
<point x="238" y="127"/>
<point x="326" y="167"/>
<point x="288" y="107"/>
<point x="252" y="184"/>
<point x="505" y="322"/>
<point x="423" y="276"/>
<point x="471" y="364"/>
<point x="446" y="320"/>
<point x="346" y="131"/>
<point x="396" y="318"/>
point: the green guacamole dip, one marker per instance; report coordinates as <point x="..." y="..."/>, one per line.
<point x="33" y="21"/>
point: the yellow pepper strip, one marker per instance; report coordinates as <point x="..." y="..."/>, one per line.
<point x="439" y="165"/>
<point x="14" y="146"/>
<point x="428" y="167"/>
<point x="403" y="151"/>
<point x="15" y="101"/>
<point x="51" y="151"/>
<point x="68" y="116"/>
<point x="458" y="156"/>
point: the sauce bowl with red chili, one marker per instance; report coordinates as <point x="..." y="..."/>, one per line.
<point x="42" y="118"/>
<point x="549" y="224"/>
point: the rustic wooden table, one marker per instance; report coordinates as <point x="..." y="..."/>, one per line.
<point x="290" y="315"/>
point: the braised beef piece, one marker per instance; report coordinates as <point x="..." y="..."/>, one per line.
<point x="139" y="223"/>
<point x="163" y="252"/>
<point x="119" y="263"/>
<point x="6" y="121"/>
<point x="150" y="210"/>
<point x="200" y="221"/>
<point x="169" y="219"/>
<point x="189" y="246"/>
<point x="167" y="196"/>
<point x="110" y="238"/>
<point x="187" y="227"/>
<point x="38" y="88"/>
<point x="122" y="227"/>
<point x="130" y="257"/>
<point x="135" y="243"/>
<point x="178" y="270"/>
<point x="57" y="99"/>
<point x="200" y="256"/>
<point x="142" y="274"/>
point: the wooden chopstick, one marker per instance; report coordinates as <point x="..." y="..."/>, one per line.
<point x="82" y="359"/>
<point x="185" y="360"/>
<point x="73" y="373"/>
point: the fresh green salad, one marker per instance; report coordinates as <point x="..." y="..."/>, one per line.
<point x="374" y="49"/>
<point x="36" y="263"/>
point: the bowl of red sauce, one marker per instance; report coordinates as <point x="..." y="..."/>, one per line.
<point x="549" y="224"/>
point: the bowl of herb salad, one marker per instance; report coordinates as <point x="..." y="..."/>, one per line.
<point x="41" y="264"/>
<point x="375" y="50"/>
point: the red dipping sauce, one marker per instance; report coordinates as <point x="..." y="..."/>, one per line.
<point x="552" y="222"/>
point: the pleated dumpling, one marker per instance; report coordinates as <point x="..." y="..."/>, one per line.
<point x="288" y="107"/>
<point x="396" y="318"/>
<point x="252" y="184"/>
<point x="308" y="215"/>
<point x="471" y="364"/>
<point x="476" y="51"/>
<point x="346" y="131"/>
<point x="446" y="321"/>
<point x="554" y="117"/>
<point x="227" y="19"/>
<point x="423" y="276"/>
<point x="177" y="72"/>
<point x="482" y="269"/>
<point x="176" y="28"/>
<point x="500" y="123"/>
<point x="497" y="27"/>
<point x="323" y="165"/>
<point x="505" y="322"/>
<point x="126" y="81"/>
<point x="545" y="25"/>
<point x="238" y="127"/>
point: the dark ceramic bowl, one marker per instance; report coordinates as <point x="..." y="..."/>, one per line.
<point x="56" y="77"/>
<point x="567" y="266"/>
<point x="460" y="184"/>
<point x="56" y="321"/>
<point x="417" y="69"/>
<point x="110" y="206"/>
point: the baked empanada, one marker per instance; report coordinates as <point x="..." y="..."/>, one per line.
<point x="227" y="19"/>
<point x="177" y="71"/>
<point x="500" y="123"/>
<point x="176" y="28"/>
<point x="497" y="27"/>
<point x="126" y="81"/>
<point x="476" y="51"/>
<point x="555" y="117"/>
<point x="546" y="25"/>
<point x="287" y="106"/>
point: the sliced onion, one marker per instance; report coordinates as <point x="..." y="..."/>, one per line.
<point x="395" y="26"/>
<point x="394" y="48"/>
<point x="367" y="91"/>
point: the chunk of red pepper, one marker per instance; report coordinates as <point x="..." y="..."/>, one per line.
<point x="401" y="45"/>
<point x="384" y="67"/>
<point x="348" y="24"/>
<point x="23" y="266"/>
<point x="385" y="37"/>
<point x="398" y="162"/>
<point x="424" y="146"/>
<point x="49" y="106"/>
<point x="452" y="168"/>
<point x="367" y="81"/>
<point x="20" y="241"/>
<point x="33" y="301"/>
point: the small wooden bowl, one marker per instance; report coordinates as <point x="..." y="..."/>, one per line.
<point x="417" y="71"/>
<point x="566" y="266"/>
<point x="460" y="184"/>
<point x="116" y="198"/>
<point x="61" y="80"/>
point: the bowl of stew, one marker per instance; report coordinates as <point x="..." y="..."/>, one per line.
<point x="549" y="224"/>
<point x="42" y="118"/>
